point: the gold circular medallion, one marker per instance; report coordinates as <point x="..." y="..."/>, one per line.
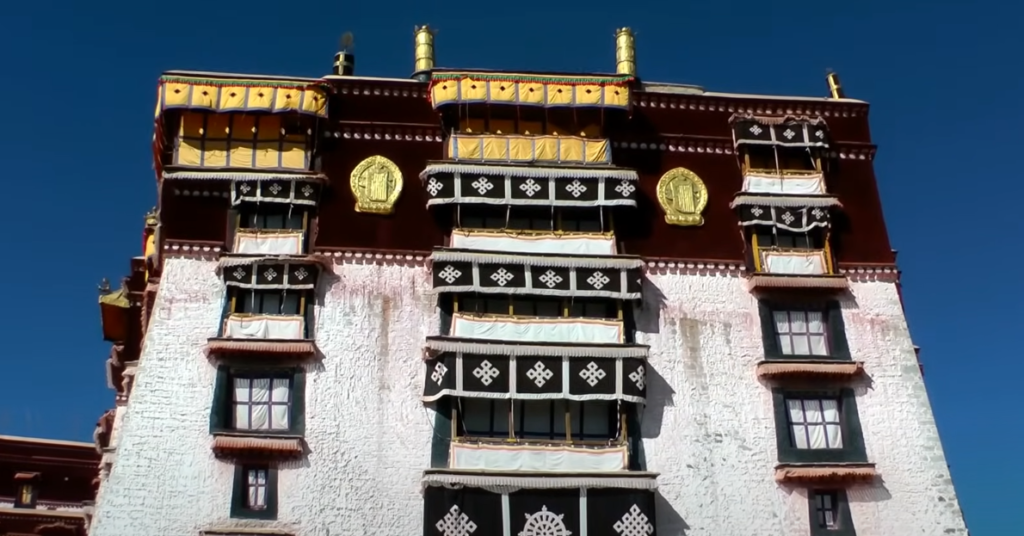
<point x="683" y="196"/>
<point x="376" y="184"/>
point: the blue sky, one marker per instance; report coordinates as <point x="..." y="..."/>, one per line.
<point x="943" y="78"/>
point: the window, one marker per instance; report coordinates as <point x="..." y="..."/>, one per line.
<point x="803" y="330"/>
<point x="218" y="140"/>
<point x="773" y="237"/>
<point x="266" y="217"/>
<point x="262" y="402"/>
<point x="255" y="492"/>
<point x="268" y="301"/>
<point x="593" y="420"/>
<point x="775" y="159"/>
<point x="814" y="423"/>
<point x="818" y="427"/>
<point x="829" y="513"/>
<point x="589" y="220"/>
<point x="541" y="307"/>
<point x="26" y="496"/>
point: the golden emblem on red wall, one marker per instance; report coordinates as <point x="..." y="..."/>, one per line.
<point x="376" y="185"/>
<point x="683" y="196"/>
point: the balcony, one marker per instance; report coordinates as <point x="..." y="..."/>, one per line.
<point x="229" y="141"/>
<point x="528" y="149"/>
<point x="540" y="242"/>
<point x="263" y="333"/>
<point x="528" y="330"/>
<point x="795" y="267"/>
<point x="760" y="181"/>
<point x="268" y="242"/>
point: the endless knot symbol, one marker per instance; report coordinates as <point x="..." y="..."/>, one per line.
<point x="539" y="374"/>
<point x="275" y="188"/>
<point x="486" y="372"/>
<point x="238" y="273"/>
<point x="449" y="274"/>
<point x="598" y="280"/>
<point x="529" y="187"/>
<point x="634" y="523"/>
<point x="501" y="277"/>
<point x="756" y="211"/>
<point x="820" y="134"/>
<point x="818" y="213"/>
<point x="434" y="186"/>
<point x="788" y="218"/>
<point x="592" y="374"/>
<point x="789" y="134"/>
<point x="301" y="273"/>
<point x="245" y="188"/>
<point x="756" y="130"/>
<point x="270" y="273"/>
<point x="307" y="190"/>
<point x="455" y="523"/>
<point x="639" y="377"/>
<point x="575" y="188"/>
<point x="550" y="278"/>
<point x="439" y="372"/>
<point x="483" y="185"/>
<point x="625" y="188"/>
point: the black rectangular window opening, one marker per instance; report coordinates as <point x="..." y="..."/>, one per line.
<point x="268" y="301"/>
<point x="272" y="217"/>
<point x="255" y="492"/>
<point x="553" y="420"/>
<point x="829" y="512"/>
<point x="543" y="307"/>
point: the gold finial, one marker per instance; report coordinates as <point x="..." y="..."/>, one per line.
<point x="152" y="218"/>
<point x="625" y="52"/>
<point x="344" y="59"/>
<point x="424" y="36"/>
<point x="104" y="286"/>
<point x="834" y="87"/>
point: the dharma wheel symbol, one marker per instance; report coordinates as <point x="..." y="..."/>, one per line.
<point x="544" y="523"/>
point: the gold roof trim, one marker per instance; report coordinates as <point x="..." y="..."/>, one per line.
<point x="598" y="91"/>
<point x="118" y="298"/>
<point x="241" y="95"/>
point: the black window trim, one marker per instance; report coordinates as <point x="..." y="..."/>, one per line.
<point x="842" y="507"/>
<point x="240" y="492"/>
<point x="309" y="314"/>
<point x="221" y="409"/>
<point x="835" y="329"/>
<point x="853" y="450"/>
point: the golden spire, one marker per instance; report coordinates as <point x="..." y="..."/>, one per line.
<point x="625" y="52"/>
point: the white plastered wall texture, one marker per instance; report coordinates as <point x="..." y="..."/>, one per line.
<point x="708" y="428"/>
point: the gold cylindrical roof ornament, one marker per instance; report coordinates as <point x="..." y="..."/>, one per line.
<point x="424" y="50"/>
<point x="834" y="87"/>
<point x="625" y="52"/>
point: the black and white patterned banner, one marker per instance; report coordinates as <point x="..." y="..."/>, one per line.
<point x="535" y="377"/>
<point x="616" y="277"/>
<point x="296" y="192"/>
<point x="560" y="511"/>
<point x="271" y="275"/>
<point x="789" y="218"/>
<point x="789" y="133"/>
<point x="452" y="183"/>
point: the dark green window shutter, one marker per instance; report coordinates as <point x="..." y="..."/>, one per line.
<point x="310" y="315"/>
<point x="239" y="494"/>
<point x="843" y="518"/>
<point x="634" y="438"/>
<point x="782" y="440"/>
<point x="837" y="331"/>
<point x="219" y="410"/>
<point x="298" y="416"/>
<point x="271" y="511"/>
<point x="853" y="437"/>
<point x="768" y="336"/>
<point x="441" y="441"/>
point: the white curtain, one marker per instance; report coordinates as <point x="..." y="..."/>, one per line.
<point x="773" y="184"/>
<point x="264" y="243"/>
<point x="801" y="332"/>
<point x="274" y="327"/>
<point x="815" y="424"/>
<point x="568" y="330"/>
<point x="569" y="245"/>
<point x="537" y="458"/>
<point x="261" y="403"/>
<point x="795" y="263"/>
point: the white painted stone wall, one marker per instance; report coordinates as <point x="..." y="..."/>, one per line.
<point x="708" y="428"/>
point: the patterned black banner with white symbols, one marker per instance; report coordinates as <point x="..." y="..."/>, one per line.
<point x="560" y="511"/>
<point x="789" y="218"/>
<point x="788" y="133"/>
<point x="271" y="275"/>
<point x="535" y="377"/>
<point x="498" y="188"/>
<point x="465" y="271"/>
<point x="296" y="192"/>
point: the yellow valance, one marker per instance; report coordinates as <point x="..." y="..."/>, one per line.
<point x="208" y="140"/>
<point x="530" y="90"/>
<point x="237" y="95"/>
<point x="524" y="149"/>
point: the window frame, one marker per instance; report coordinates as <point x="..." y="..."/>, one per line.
<point x="778" y="167"/>
<point x="835" y="329"/>
<point x="307" y="306"/>
<point x="240" y="493"/>
<point x="842" y="512"/>
<point x="852" y="451"/>
<point x="33" y="492"/>
<point x="557" y="218"/>
<point x="566" y="306"/>
<point x="246" y="214"/>
<point x="618" y="430"/>
<point x="222" y="408"/>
